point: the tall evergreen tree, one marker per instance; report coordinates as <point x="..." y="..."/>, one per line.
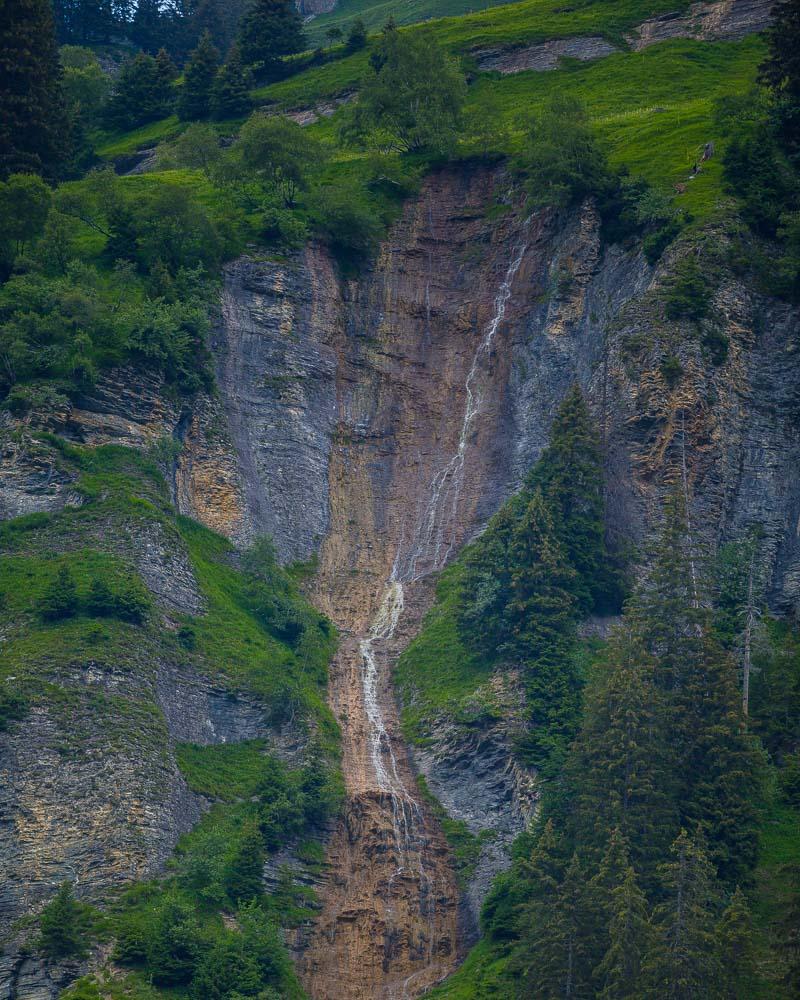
<point x="683" y="963"/>
<point x="198" y="81"/>
<point x="245" y="876"/>
<point x="269" y="30"/>
<point x="737" y="949"/>
<point x="63" y="926"/>
<point x="229" y="94"/>
<point x="33" y="117"/>
<point x="542" y="615"/>
<point x="619" y="974"/>
<point x="570" y="475"/>
<point x="781" y="70"/>
<point x="141" y="94"/>
<point x="621" y="766"/>
<point x="60" y="599"/>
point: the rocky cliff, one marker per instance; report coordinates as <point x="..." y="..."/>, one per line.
<point x="378" y="422"/>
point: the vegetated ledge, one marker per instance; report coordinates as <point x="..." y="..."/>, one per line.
<point x="724" y="20"/>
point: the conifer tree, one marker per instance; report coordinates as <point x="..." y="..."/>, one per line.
<point x="619" y="974"/>
<point x="198" y="81"/>
<point x="780" y="71"/>
<point x="229" y="95"/>
<point x="542" y="615"/>
<point x="736" y="947"/>
<point x="683" y="962"/>
<point x="570" y="475"/>
<point x="621" y="765"/>
<point x="34" y="131"/>
<point x="63" y="926"/>
<point x="550" y="957"/>
<point x="167" y="70"/>
<point x="245" y="874"/>
<point x="269" y="30"/>
<point x="141" y="94"/>
<point x="60" y="600"/>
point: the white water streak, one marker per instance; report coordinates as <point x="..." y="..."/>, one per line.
<point x="435" y="533"/>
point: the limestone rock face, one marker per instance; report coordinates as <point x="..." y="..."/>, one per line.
<point x="378" y="422"/>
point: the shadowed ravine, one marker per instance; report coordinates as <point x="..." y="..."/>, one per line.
<point x="390" y="921"/>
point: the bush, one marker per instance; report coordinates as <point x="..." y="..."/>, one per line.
<point x="12" y="706"/>
<point x="671" y="370"/>
<point x="346" y="221"/>
<point x="687" y="292"/>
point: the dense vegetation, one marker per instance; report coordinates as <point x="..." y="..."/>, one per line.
<point x="658" y="865"/>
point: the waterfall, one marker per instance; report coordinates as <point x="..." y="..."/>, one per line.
<point x="434" y="534"/>
<point x="431" y="545"/>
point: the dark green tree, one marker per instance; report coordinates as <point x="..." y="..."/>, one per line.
<point x="411" y="98"/>
<point x="141" y="94"/>
<point x="279" y="153"/>
<point x="621" y="767"/>
<point x="64" y="926"/>
<point x="780" y="71"/>
<point x="619" y="974"/>
<point x="570" y="475"/>
<point x="736" y="944"/>
<point x="563" y="160"/>
<point x="199" y="73"/>
<point x="174" y="943"/>
<point x="24" y="206"/>
<point x="269" y="30"/>
<point x="542" y="614"/>
<point x="60" y="599"/>
<point x="229" y="95"/>
<point x="167" y="69"/>
<point x="34" y="131"/>
<point x="244" y="878"/>
<point x="683" y="962"/>
<point x="357" y="36"/>
<point x="100" y="600"/>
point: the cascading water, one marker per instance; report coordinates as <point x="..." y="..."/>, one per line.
<point x="434" y="534"/>
<point x="430" y="547"/>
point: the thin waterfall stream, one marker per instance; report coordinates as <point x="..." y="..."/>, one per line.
<point x="430" y="547"/>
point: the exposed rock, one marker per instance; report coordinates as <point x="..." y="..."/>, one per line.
<point x="30" y="481"/>
<point x="545" y="55"/>
<point x="726" y="19"/>
<point x="731" y="19"/>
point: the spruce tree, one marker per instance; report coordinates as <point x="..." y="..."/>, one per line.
<point x="63" y="926"/>
<point x="229" y="95"/>
<point x="269" y="30"/>
<point x="780" y="71"/>
<point x="245" y="875"/>
<point x="621" y="767"/>
<point x="683" y="962"/>
<point x="167" y="70"/>
<point x="60" y="599"/>
<point x="619" y="974"/>
<point x="34" y="131"/>
<point x="542" y="616"/>
<point x="570" y="475"/>
<point x="737" y="949"/>
<point x="141" y="94"/>
<point x="198" y="81"/>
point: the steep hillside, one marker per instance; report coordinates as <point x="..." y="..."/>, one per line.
<point x="278" y="407"/>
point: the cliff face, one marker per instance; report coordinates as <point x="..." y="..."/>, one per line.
<point x="379" y="422"/>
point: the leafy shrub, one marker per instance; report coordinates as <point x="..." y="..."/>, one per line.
<point x="12" y="706"/>
<point x="345" y="220"/>
<point x="671" y="370"/>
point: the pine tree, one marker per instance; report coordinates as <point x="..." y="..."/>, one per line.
<point x="737" y="949"/>
<point x="167" y="70"/>
<point x="781" y="70"/>
<point x="198" y="81"/>
<point x="63" y="926"/>
<point x="554" y="941"/>
<point x="60" y="600"/>
<point x="570" y="475"/>
<point x="100" y="600"/>
<point x="229" y="95"/>
<point x="683" y="962"/>
<point x="34" y="131"/>
<point x="147" y="27"/>
<point x="269" y="30"/>
<point x="141" y="94"/>
<point x="619" y="974"/>
<point x="245" y="875"/>
<point x="357" y="36"/>
<point x="621" y="767"/>
<point x="541" y="612"/>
